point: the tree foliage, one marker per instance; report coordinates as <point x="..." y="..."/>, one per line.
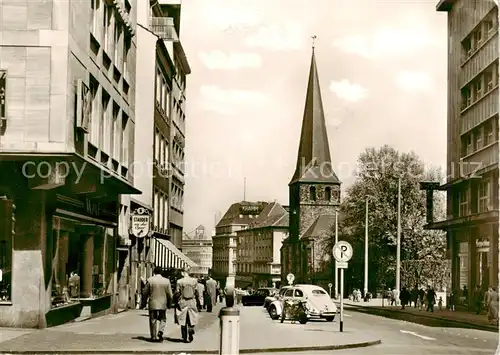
<point x="377" y="181"/>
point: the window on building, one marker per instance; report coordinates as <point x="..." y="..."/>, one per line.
<point x="312" y="193"/>
<point x="464" y="203"/>
<point x="157" y="145"/>
<point x="158" y="86"/>
<point x="328" y="193"/>
<point x="478" y="138"/>
<point x="95" y="4"/>
<point x="478" y="36"/>
<point x="488" y="132"/>
<point x="484" y="196"/>
<point x="125" y="140"/>
<point x="106" y="21"/>
<point x="126" y="49"/>
<point x="156" y="208"/>
<point x="166" y="157"/>
<point x="467" y="47"/>
<point x="165" y="209"/>
<point x="105" y="138"/>
<point x="115" y="133"/>
<point x="466" y="97"/>
<point x="116" y="44"/>
<point x="478" y="88"/>
<point x="167" y="99"/>
<point x="161" y="214"/>
<point x="94" y="127"/>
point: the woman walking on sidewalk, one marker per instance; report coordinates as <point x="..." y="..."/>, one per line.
<point x="492" y="304"/>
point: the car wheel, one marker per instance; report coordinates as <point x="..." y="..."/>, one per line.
<point x="273" y="313"/>
<point x="303" y="319"/>
<point x="330" y="319"/>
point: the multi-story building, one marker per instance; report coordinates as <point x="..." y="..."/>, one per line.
<point x="224" y="254"/>
<point x="67" y="97"/>
<point x="259" y="262"/>
<point x="198" y="248"/>
<point x="314" y="193"/>
<point x="472" y="139"/>
<point x="157" y="32"/>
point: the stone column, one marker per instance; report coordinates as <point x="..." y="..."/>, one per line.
<point x="87" y="260"/>
<point x="63" y="258"/>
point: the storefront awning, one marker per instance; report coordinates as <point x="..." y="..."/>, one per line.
<point x="167" y="244"/>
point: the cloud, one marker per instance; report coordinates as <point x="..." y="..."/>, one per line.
<point x="277" y="37"/>
<point x="230" y="18"/>
<point x="230" y="101"/>
<point x="386" y="42"/>
<point x="348" y="91"/>
<point x="413" y="81"/>
<point x="231" y="61"/>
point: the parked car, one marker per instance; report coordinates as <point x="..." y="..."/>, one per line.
<point x="271" y="298"/>
<point x="257" y="298"/>
<point x="318" y="303"/>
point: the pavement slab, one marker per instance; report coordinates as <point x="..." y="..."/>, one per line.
<point x="128" y="332"/>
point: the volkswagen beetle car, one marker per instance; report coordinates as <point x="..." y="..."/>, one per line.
<point x="271" y="298"/>
<point x="318" y="303"/>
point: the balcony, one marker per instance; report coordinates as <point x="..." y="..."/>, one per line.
<point x="480" y="59"/>
<point x="480" y="111"/>
<point x="164" y="28"/>
<point x="479" y="160"/>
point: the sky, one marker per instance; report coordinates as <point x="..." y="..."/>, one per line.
<point x="382" y="69"/>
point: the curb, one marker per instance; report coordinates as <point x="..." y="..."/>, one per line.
<point x="189" y="352"/>
<point x="376" y="311"/>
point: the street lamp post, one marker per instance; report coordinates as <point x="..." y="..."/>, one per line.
<point x="398" y="241"/>
<point x="335" y="261"/>
<point x="366" y="249"/>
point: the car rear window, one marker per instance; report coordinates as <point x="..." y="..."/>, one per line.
<point x="318" y="292"/>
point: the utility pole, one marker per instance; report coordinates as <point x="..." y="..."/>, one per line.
<point x="366" y="249"/>
<point x="398" y="241"/>
<point x="335" y="261"/>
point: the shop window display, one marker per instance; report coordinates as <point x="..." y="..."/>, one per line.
<point x="7" y="219"/>
<point x="69" y="256"/>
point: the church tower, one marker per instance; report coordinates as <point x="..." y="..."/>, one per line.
<point x="314" y="190"/>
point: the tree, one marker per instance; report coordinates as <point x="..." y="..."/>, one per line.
<point x="377" y="180"/>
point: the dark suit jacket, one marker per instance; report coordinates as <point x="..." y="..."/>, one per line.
<point x="159" y="291"/>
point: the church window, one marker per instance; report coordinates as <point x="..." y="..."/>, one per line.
<point x="328" y="193"/>
<point x="312" y="193"/>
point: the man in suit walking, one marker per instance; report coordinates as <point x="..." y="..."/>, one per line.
<point x="211" y="286"/>
<point x="159" y="291"/>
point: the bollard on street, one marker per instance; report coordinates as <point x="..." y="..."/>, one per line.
<point x="229" y="323"/>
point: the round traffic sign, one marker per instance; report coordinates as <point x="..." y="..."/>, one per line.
<point x="342" y="251"/>
<point x="330" y="285"/>
<point x="290" y="278"/>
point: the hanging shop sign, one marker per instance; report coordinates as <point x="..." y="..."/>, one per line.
<point x="140" y="223"/>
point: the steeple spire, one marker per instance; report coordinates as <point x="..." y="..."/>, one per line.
<point x="313" y="161"/>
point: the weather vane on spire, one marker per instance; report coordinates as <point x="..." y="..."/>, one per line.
<point x="314" y="37"/>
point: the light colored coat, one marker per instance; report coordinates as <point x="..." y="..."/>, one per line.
<point x="187" y="307"/>
<point x="201" y="288"/>
<point x="212" y="290"/>
<point x="159" y="291"/>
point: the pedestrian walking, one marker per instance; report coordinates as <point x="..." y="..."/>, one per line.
<point x="430" y="298"/>
<point x="186" y="309"/>
<point x="478" y="299"/>
<point x="201" y="290"/>
<point x="159" y="292"/>
<point x="421" y="298"/>
<point x="211" y="286"/>
<point x="414" y="296"/>
<point x="493" y="305"/>
<point x="440" y="303"/>
<point x="404" y="297"/>
<point x="452" y="301"/>
<point x="392" y="296"/>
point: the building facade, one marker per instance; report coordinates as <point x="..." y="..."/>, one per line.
<point x="472" y="139"/>
<point x="314" y="193"/>
<point x="258" y="261"/>
<point x="67" y="100"/>
<point x="225" y="242"/>
<point x="198" y="248"/>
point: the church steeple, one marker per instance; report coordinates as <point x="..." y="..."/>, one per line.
<point x="314" y="161"/>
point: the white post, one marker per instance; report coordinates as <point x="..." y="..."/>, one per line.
<point x="398" y="242"/>
<point x="335" y="261"/>
<point x="341" y="300"/>
<point x="366" y="249"/>
<point x="229" y="343"/>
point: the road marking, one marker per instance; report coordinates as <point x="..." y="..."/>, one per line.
<point x="347" y="315"/>
<point x="417" y="335"/>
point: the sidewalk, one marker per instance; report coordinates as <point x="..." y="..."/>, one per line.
<point x="128" y="333"/>
<point x="460" y="319"/>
